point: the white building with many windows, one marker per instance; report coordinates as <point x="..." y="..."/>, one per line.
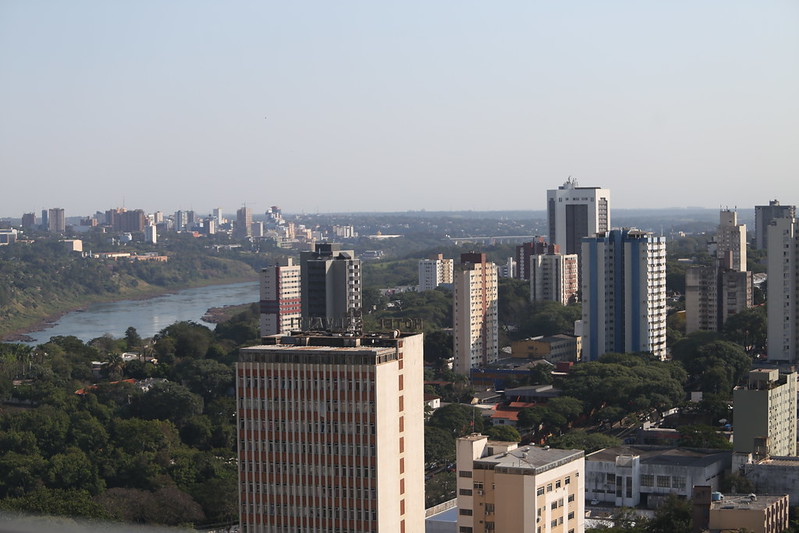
<point x="435" y="272"/>
<point x="281" y="307"/>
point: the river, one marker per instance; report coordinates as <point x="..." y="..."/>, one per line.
<point x="148" y="316"/>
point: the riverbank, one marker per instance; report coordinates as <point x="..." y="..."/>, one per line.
<point x="18" y="331"/>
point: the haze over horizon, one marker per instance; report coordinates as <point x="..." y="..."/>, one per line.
<point x="353" y="106"/>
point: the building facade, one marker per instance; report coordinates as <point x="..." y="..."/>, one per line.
<point x="331" y="287"/>
<point x="574" y="212"/>
<point x="553" y="348"/>
<point x="435" y="272"/>
<point x="243" y="226"/>
<point x="624" y="293"/>
<point x="629" y="476"/>
<point x="506" y="489"/>
<point x="475" y="313"/>
<point x="56" y="222"/>
<point x="713" y="294"/>
<point x="730" y="241"/>
<point x="764" y="214"/>
<point x="554" y="277"/>
<point x="281" y="305"/>
<point x="764" y="411"/>
<point x="330" y="435"/>
<point x="783" y="290"/>
<point x="525" y="250"/>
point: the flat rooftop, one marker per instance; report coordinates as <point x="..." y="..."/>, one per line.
<point x="662" y="455"/>
<point x="757" y="502"/>
<point x="532" y="459"/>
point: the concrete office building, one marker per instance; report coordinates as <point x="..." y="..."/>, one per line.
<point x="506" y="489"/>
<point x="243" y="223"/>
<point x="475" y="313"/>
<point x="56" y="222"/>
<point x="764" y="411"/>
<point x="330" y="434"/>
<point x="574" y="212"/>
<point x="28" y="220"/>
<point x="435" y="272"/>
<point x="624" y="293"/>
<point x="631" y="476"/>
<point x="783" y="290"/>
<point x="730" y="241"/>
<point x="764" y="214"/>
<point x="331" y="287"/>
<point x="554" y="277"/>
<point x="281" y="306"/>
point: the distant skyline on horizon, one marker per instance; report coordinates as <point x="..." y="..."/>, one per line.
<point x="352" y="107"/>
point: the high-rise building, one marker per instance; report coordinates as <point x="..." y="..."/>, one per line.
<point x="624" y="293"/>
<point x="554" y="277"/>
<point x="574" y="212"/>
<point x="217" y="213"/>
<point x="330" y="433"/>
<point x="45" y="219"/>
<point x="434" y="272"/>
<point x="525" y="250"/>
<point x="475" y="314"/>
<point x="730" y="241"/>
<point x="281" y="306"/>
<point x="506" y="489"/>
<point x="331" y="287"/>
<point x="56" y="222"/>
<point x="28" y="220"/>
<point x="764" y="214"/>
<point x="765" y="413"/>
<point x="713" y="294"/>
<point x="783" y="290"/>
<point x="181" y="220"/>
<point x="243" y="222"/>
<point x="151" y="234"/>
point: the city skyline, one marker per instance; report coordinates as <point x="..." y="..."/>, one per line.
<point x="192" y="105"/>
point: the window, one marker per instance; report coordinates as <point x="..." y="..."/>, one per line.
<point x="465" y="512"/>
<point x="571" y="497"/>
<point x="664" y="482"/>
<point x="465" y="473"/>
<point x="540" y="491"/>
<point x="567" y="481"/>
<point x="557" y="484"/>
<point x="647" y="480"/>
<point x="465" y="492"/>
<point x="610" y="478"/>
<point x="549" y="487"/>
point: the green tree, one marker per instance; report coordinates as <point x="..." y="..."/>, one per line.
<point x="581" y="440"/>
<point x="674" y="516"/>
<point x="700" y="436"/>
<point x="439" y="445"/>
<point x="457" y="419"/>
<point x="132" y="339"/>
<point x="503" y="433"/>
<point x="169" y="401"/>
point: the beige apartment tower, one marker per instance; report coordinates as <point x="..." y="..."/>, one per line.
<point x="475" y="314"/>
<point x="506" y="489"/>
<point x="281" y="307"/>
<point x="731" y="241"/>
<point x="554" y="277"/>
<point x="330" y="432"/>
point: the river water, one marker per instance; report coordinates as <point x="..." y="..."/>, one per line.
<point x="148" y="316"/>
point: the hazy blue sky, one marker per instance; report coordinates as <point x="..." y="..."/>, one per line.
<point x="375" y="105"/>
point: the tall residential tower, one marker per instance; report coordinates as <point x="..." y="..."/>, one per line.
<point x="331" y="287"/>
<point x="280" y="298"/>
<point x="624" y="293"/>
<point x="475" y="314"/>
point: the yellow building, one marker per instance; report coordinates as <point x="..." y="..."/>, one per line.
<point x="756" y="513"/>
<point x="555" y="348"/>
<point x="508" y="489"/>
